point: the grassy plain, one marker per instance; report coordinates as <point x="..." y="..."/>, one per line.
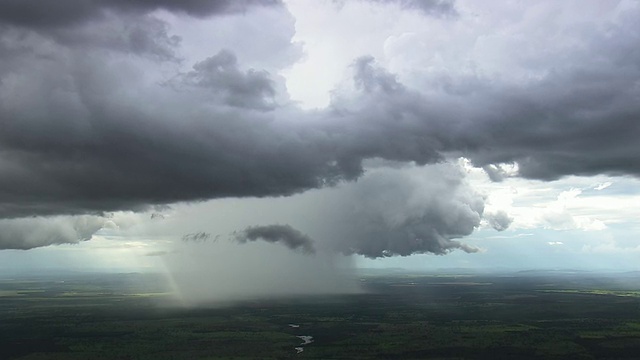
<point x="526" y="315"/>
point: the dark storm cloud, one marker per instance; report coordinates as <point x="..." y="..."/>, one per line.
<point x="382" y="121"/>
<point x="140" y="35"/>
<point x="283" y="234"/>
<point x="220" y="75"/>
<point x="581" y="116"/>
<point x="193" y="7"/>
<point x="119" y="25"/>
<point x="444" y="8"/>
<point x="101" y="144"/>
<point x="100" y="147"/>
<point x="65" y="13"/>
<point x="435" y="8"/>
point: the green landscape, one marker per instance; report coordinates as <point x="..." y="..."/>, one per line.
<point x="552" y="315"/>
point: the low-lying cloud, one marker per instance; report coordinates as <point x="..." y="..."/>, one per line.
<point x="282" y="234"/>
<point x="28" y="233"/>
<point x="499" y="220"/>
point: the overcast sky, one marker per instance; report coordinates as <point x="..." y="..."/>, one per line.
<point x="405" y="133"/>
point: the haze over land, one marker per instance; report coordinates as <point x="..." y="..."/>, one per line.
<point x="303" y="138"/>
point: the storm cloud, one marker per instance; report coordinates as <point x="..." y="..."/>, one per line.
<point x="220" y="75"/>
<point x="405" y="211"/>
<point x="64" y="13"/>
<point x="429" y="7"/>
<point x="97" y="115"/>
<point x="114" y="25"/>
<point x="436" y="8"/>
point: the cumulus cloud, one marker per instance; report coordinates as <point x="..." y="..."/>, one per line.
<point x="283" y="234"/>
<point x="28" y="233"/>
<point x="564" y="214"/>
<point x="499" y="220"/>
<point x="404" y="211"/>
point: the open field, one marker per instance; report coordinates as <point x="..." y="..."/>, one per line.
<point x="518" y="316"/>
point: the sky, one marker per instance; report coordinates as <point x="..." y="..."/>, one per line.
<point x="301" y="138"/>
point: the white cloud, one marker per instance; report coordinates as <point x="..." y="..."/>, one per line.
<point x="571" y="203"/>
<point x="603" y="185"/>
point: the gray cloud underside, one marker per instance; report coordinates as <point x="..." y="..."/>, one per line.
<point x="444" y="8"/>
<point x="29" y="233"/>
<point x="436" y="8"/>
<point x="64" y="13"/>
<point x="116" y="25"/>
<point x="283" y="234"/>
<point x="86" y="133"/>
